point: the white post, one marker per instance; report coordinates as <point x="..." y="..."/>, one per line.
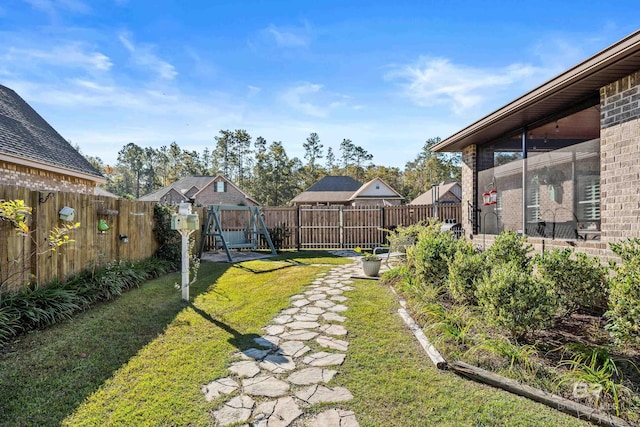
<point x="185" y="263"/>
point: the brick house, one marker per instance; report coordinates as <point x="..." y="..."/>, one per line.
<point x="202" y="191"/>
<point x="347" y="191"/>
<point x="446" y="193"/>
<point x="561" y="163"/>
<point x="35" y="156"/>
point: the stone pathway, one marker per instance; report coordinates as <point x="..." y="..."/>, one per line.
<point x="294" y="362"/>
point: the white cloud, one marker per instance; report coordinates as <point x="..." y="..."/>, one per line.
<point x="70" y="55"/>
<point x="52" y="7"/>
<point x="144" y="57"/>
<point x="290" y="36"/>
<point x="437" y="81"/>
<point x="298" y="97"/>
<point x="253" y="90"/>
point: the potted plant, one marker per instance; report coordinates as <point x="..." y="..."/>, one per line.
<point x="370" y="263"/>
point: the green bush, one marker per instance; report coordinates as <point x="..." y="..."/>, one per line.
<point x="580" y="281"/>
<point x="169" y="241"/>
<point x="624" y="295"/>
<point x="467" y="268"/>
<point x="514" y="299"/>
<point x="431" y="254"/>
<point x="509" y="247"/>
<point x="38" y="306"/>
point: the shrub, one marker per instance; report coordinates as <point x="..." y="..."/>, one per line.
<point x="509" y="247"/>
<point x="169" y="241"/>
<point x="278" y="235"/>
<point x="580" y="281"/>
<point x="624" y="295"/>
<point x="515" y="299"/>
<point x="467" y="268"/>
<point x="431" y="254"/>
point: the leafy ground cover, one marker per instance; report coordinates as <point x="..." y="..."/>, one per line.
<point x="141" y="359"/>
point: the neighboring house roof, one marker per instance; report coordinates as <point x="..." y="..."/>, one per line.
<point x="328" y="190"/>
<point x="344" y="189"/>
<point x="368" y="190"/>
<point x="580" y="83"/>
<point x="189" y="187"/>
<point x="426" y="198"/>
<point x="99" y="191"/>
<point x="27" y="139"/>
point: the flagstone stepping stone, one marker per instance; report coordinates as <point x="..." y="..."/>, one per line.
<point x="333" y="317"/>
<point x="278" y="363"/>
<point x="317" y="297"/>
<point x="301" y="302"/>
<point x="276" y="413"/>
<point x="348" y="288"/>
<point x="292" y="310"/>
<point x="296" y="297"/>
<point x="236" y="410"/>
<point x="338" y="308"/>
<point x="274" y="329"/>
<point x="337" y="330"/>
<point x="314" y="291"/>
<point x="331" y="281"/>
<point x="246" y="368"/>
<point x="334" y="292"/>
<point x="302" y="325"/>
<point x="309" y="376"/>
<point x="312" y="310"/>
<point x="321" y="394"/>
<point x="253" y="353"/>
<point x="300" y="335"/>
<point x="347" y="282"/>
<point x="265" y="385"/>
<point x="267" y="341"/>
<point x="283" y="318"/>
<point x="323" y="358"/>
<point x="222" y="385"/>
<point x="306" y="317"/>
<point x="323" y="288"/>
<point x="335" y="417"/>
<point x="338" y="298"/>
<point x="333" y="343"/>
<point x="293" y="348"/>
<point x="325" y="303"/>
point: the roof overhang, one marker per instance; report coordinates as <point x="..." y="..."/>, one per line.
<point x="580" y="84"/>
<point x="50" y="168"/>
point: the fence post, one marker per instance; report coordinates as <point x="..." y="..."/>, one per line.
<point x="382" y="224"/>
<point x="298" y="231"/>
<point x="341" y="227"/>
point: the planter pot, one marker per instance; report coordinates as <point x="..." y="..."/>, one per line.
<point x="371" y="268"/>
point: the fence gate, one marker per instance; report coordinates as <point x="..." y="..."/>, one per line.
<point x="340" y="227"/>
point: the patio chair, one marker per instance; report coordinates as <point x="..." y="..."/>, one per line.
<point x="396" y="250"/>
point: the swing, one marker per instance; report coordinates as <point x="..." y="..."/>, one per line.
<point x="247" y="239"/>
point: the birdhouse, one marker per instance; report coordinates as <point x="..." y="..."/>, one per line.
<point x="103" y="226"/>
<point x="67" y="214"/>
<point x="178" y="222"/>
<point x="193" y="222"/>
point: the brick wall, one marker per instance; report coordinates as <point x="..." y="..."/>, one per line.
<point x="209" y="196"/>
<point x="469" y="184"/>
<point x="620" y="159"/>
<point x="38" y="179"/>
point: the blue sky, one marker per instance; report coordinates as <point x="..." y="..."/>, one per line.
<point x="387" y="75"/>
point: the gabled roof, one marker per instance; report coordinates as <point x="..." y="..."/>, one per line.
<point x="229" y="182"/>
<point x="190" y="186"/>
<point x="328" y="190"/>
<point x="336" y="183"/>
<point x="426" y="198"/>
<point x="579" y="84"/>
<point x="368" y="187"/>
<point x="27" y="139"/>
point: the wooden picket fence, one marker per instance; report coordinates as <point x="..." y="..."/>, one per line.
<point x="28" y="258"/>
<point x="337" y="227"/>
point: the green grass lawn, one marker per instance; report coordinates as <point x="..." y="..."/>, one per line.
<point x="148" y="353"/>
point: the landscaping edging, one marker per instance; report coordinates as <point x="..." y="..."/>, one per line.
<point x="466" y="370"/>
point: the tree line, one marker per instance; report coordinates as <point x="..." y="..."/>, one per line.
<point x="265" y="171"/>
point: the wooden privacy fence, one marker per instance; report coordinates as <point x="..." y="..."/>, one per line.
<point x="337" y="227"/>
<point x="27" y="258"/>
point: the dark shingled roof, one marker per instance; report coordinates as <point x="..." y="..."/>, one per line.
<point x="25" y="134"/>
<point x="336" y="183"/>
